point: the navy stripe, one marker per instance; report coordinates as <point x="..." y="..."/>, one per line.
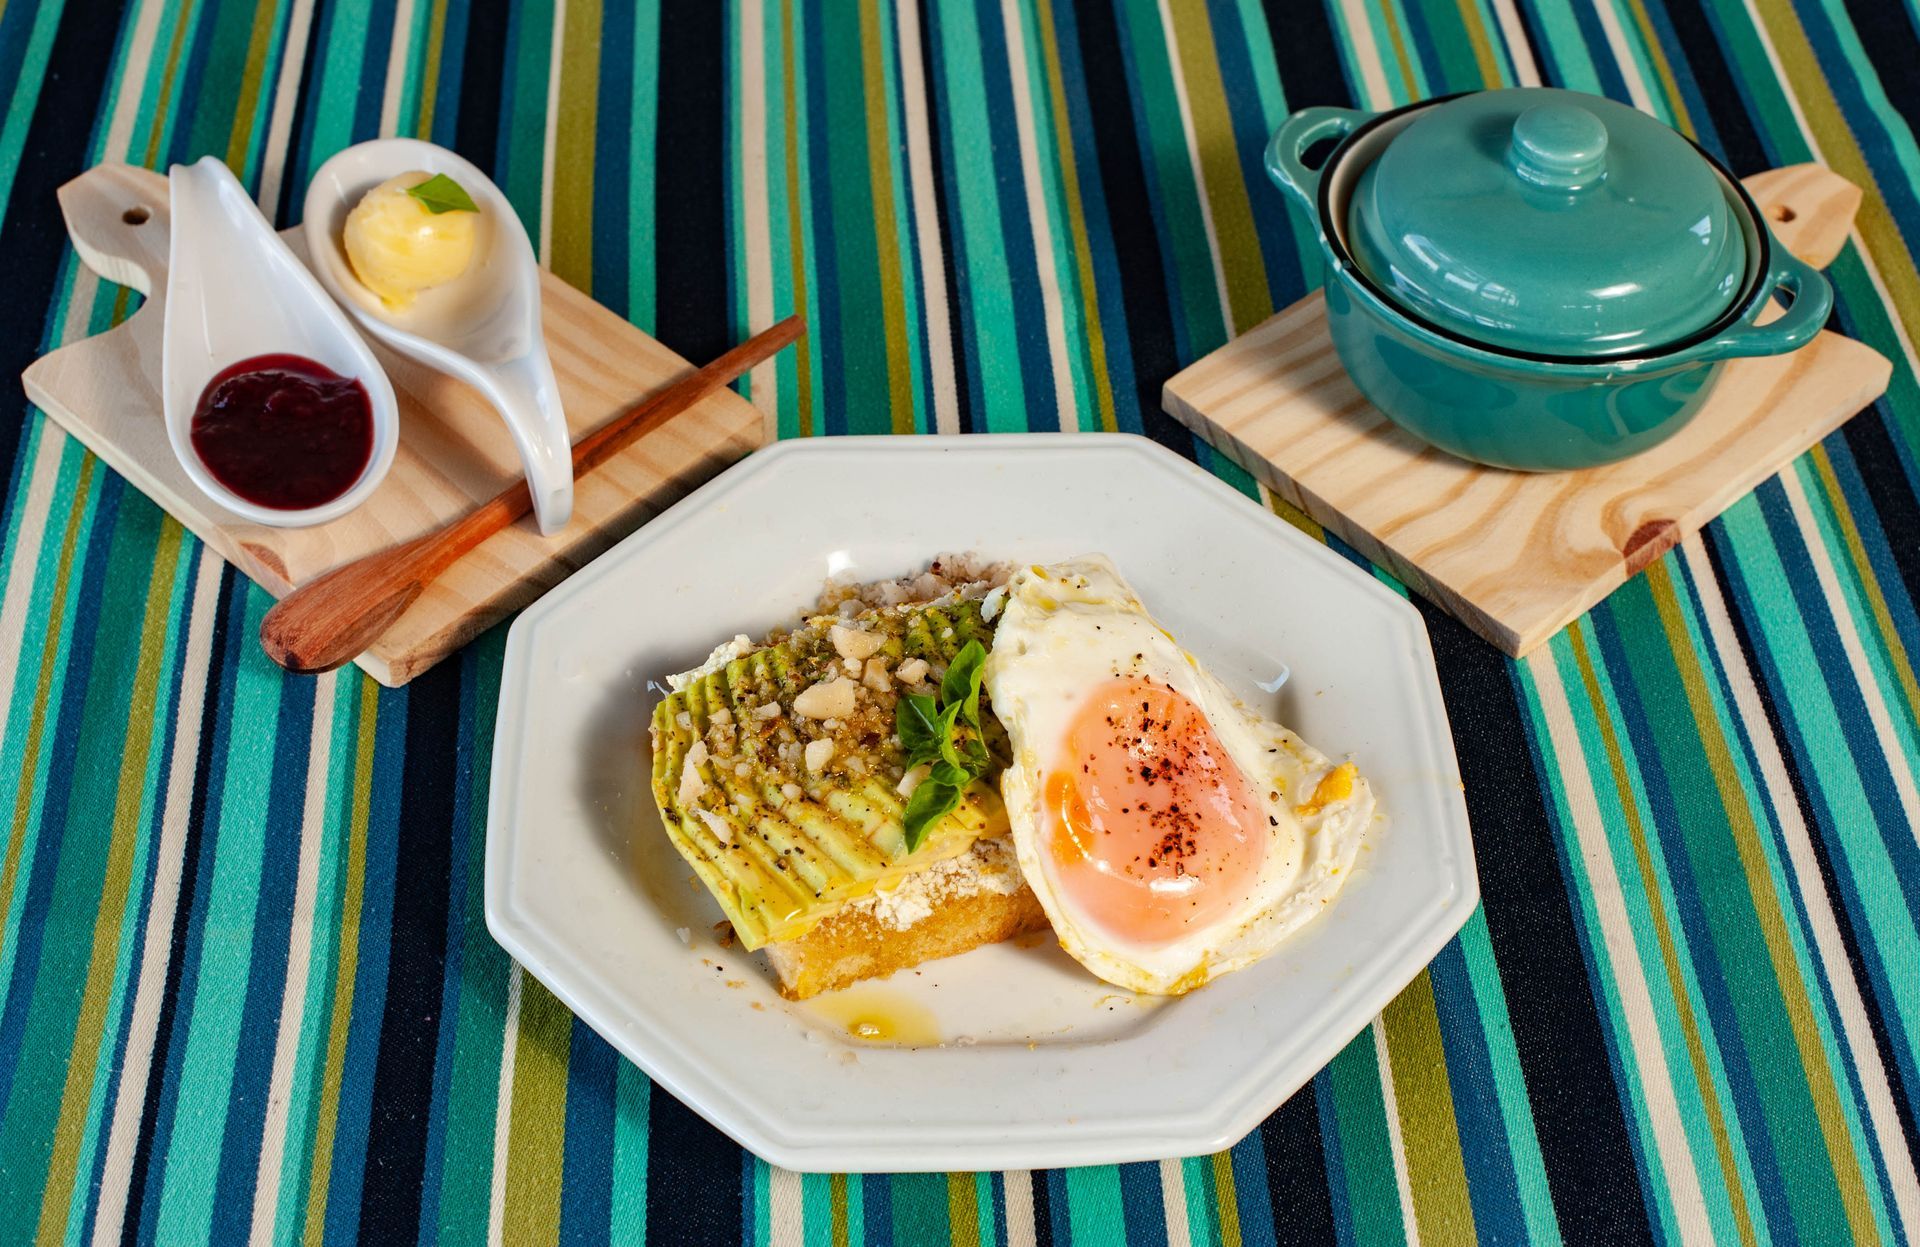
<point x="1562" y="1046"/>
<point x="691" y="255"/>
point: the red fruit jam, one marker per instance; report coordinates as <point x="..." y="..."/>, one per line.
<point x="285" y="432"/>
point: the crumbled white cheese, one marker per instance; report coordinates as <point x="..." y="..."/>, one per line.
<point x="691" y="784"/>
<point x="722" y="654"/>
<point x="819" y="753"/>
<point x="829" y="699"/>
<point x="989" y="866"/>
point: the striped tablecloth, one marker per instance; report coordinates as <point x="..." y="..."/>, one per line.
<point x="245" y="987"/>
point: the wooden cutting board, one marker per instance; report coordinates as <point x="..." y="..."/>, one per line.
<point x="1517" y="556"/>
<point x="454" y="449"/>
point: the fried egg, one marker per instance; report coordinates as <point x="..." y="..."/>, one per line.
<point x="1171" y="834"/>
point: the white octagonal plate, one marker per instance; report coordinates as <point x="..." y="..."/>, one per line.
<point x="1037" y="1063"/>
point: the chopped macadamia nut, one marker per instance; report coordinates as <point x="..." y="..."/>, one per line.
<point x="876" y="677"/>
<point x="819" y="753"/>
<point x="829" y="699"/>
<point x="854" y="644"/>
<point x="769" y="711"/>
<point x="912" y="671"/>
<point x="791" y="791"/>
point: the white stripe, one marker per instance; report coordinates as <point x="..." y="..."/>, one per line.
<point x="1391" y="1102"/>
<point x="1193" y="159"/>
<point x="1173" y="1203"/>
<point x="314" y="829"/>
<point x="1616" y="930"/>
<point x="1813" y="144"/>
<point x="553" y="127"/>
<point x="503" y="1112"/>
<point x="1849" y="634"/>
<point x="926" y="222"/>
<point x="133" y="78"/>
<point x="1040" y="217"/>
<point x="1017" y="1186"/>
<point x="1366" y="54"/>
<point x="397" y="56"/>
<point x="787" y="1207"/>
<point x="1855" y="1024"/>
<point x="137" y="1059"/>
<point x="763" y="384"/>
<point x="286" y="95"/>
<point x="1526" y="70"/>
<point x="1623" y="57"/>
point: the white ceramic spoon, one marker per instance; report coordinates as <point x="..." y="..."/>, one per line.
<point x="483" y="327"/>
<point x="233" y="291"/>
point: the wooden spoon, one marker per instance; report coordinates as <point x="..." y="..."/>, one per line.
<point x="333" y="618"/>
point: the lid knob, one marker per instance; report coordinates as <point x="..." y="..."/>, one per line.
<point x="1559" y="146"/>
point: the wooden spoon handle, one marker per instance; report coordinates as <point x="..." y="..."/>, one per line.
<point x="335" y="617"/>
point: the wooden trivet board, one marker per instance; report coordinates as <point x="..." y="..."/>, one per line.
<point x="454" y="450"/>
<point x="1517" y="556"/>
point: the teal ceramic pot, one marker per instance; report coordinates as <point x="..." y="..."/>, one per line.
<point x="1533" y="278"/>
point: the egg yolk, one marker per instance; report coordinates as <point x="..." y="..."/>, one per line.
<point x="1152" y="828"/>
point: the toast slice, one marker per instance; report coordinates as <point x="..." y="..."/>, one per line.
<point x="939" y="911"/>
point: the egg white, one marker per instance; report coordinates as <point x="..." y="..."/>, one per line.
<point x="1064" y="630"/>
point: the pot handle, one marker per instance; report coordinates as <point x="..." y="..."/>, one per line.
<point x="1792" y="329"/>
<point x="1291" y="141"/>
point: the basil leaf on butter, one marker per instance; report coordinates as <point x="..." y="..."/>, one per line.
<point x="931" y="802"/>
<point x="918" y="725"/>
<point x="961" y="685"/>
<point x="441" y="193"/>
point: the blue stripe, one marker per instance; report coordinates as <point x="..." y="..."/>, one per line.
<point x="1491" y="1187"/>
<point x="247" y="1107"/>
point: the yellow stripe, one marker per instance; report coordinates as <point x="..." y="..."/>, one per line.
<point x="1491" y="73"/>
<point x="1663" y="69"/>
<point x="1662" y="927"/>
<point x="538" y="1129"/>
<point x="1423" y="1092"/>
<point x="963" y="1211"/>
<point x="796" y="238"/>
<point x="1248" y="298"/>
<point x="1091" y="328"/>
<point x="239" y="138"/>
<point x="1226" y="1199"/>
<point x="430" y="70"/>
<point x="837" y="1192"/>
<point x="1869" y="582"/>
<point x="1768" y="908"/>
<point x="162" y="107"/>
<point x="573" y="140"/>
<point x="115" y="888"/>
<point x="893" y="299"/>
<point x="43" y="683"/>
<point x="1842" y="154"/>
<point x="1409" y="85"/>
<point x="345" y="966"/>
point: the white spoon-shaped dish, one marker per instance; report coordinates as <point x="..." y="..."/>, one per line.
<point x="234" y="290"/>
<point x="482" y="327"/>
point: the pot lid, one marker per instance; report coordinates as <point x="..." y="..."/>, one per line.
<point x="1551" y="222"/>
